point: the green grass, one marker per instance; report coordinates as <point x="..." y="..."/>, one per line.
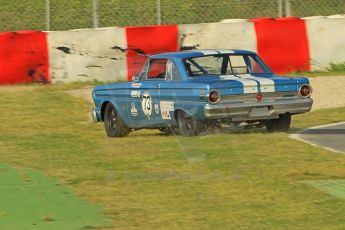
<point x="334" y="69"/>
<point x="148" y="180"/>
<point x="65" y="14"/>
<point x="316" y="73"/>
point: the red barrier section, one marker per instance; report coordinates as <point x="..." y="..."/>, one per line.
<point x="283" y="43"/>
<point x="23" y="57"/>
<point x="148" y="40"/>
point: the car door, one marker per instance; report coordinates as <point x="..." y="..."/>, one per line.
<point x="169" y="89"/>
<point x="144" y="102"/>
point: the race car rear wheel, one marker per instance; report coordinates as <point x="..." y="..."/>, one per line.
<point x="187" y="125"/>
<point x="113" y="124"/>
<point x="282" y="124"/>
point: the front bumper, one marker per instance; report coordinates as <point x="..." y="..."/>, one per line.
<point x="257" y="110"/>
<point x="94" y="116"/>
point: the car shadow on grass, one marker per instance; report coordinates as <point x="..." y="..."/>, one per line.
<point x="206" y="133"/>
<point x="242" y="130"/>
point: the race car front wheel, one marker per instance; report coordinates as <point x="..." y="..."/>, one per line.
<point x="113" y="124"/>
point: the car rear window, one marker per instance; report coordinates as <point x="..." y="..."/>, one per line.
<point x="224" y="64"/>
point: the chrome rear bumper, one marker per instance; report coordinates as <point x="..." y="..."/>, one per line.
<point x="251" y="110"/>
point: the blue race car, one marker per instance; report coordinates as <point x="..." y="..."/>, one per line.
<point x="188" y="92"/>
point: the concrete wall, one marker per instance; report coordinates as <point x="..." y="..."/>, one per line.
<point x="229" y="34"/>
<point x="88" y="54"/>
<point x="326" y="40"/>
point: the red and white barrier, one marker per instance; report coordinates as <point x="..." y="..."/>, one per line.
<point x="23" y="57"/>
<point x="116" y="54"/>
<point x="236" y="35"/>
<point x="147" y="40"/>
<point x="326" y="40"/>
<point x="283" y="43"/>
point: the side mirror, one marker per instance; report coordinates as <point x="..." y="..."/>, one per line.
<point x="135" y="77"/>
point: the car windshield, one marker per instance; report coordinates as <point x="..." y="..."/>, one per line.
<point x="225" y="64"/>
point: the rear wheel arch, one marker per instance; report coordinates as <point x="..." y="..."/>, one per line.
<point x="187" y="124"/>
<point x="176" y="113"/>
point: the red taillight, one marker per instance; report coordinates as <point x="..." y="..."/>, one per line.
<point x="213" y="96"/>
<point x="259" y="97"/>
<point x="305" y="90"/>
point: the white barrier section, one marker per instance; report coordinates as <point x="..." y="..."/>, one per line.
<point x="231" y="34"/>
<point x="87" y="55"/>
<point x="326" y="40"/>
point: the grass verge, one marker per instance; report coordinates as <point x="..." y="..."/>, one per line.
<point x="152" y="181"/>
<point x="334" y="69"/>
<point x="32" y="201"/>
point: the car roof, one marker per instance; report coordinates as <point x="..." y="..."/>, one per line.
<point x="199" y="53"/>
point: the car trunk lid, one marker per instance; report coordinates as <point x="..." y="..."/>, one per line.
<point x="246" y="87"/>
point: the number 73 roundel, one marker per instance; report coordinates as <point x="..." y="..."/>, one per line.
<point x="146" y="104"/>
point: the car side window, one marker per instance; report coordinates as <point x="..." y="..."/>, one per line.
<point x="237" y="65"/>
<point x="172" y="73"/>
<point x="157" y="69"/>
<point x="254" y="66"/>
<point x="143" y="72"/>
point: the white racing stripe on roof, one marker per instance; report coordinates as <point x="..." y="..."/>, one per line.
<point x="226" y="51"/>
<point x="208" y="52"/>
<point x="266" y="85"/>
<point x="212" y="52"/>
<point x="249" y="86"/>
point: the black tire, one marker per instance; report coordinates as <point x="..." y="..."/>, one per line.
<point x="282" y="124"/>
<point x="114" y="127"/>
<point x="187" y="125"/>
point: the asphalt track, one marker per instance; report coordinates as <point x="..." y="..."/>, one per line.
<point x="330" y="137"/>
